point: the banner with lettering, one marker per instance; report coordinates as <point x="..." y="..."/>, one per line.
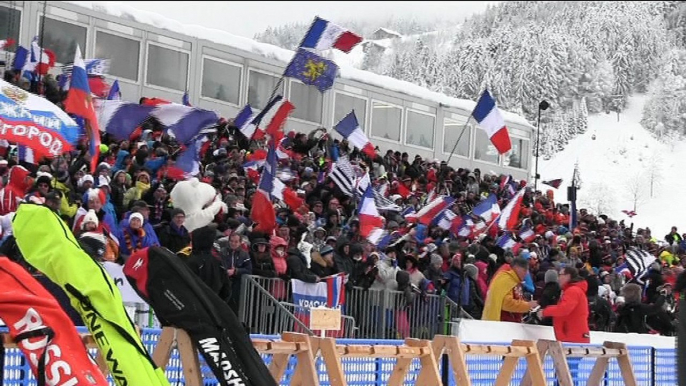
<point x="35" y="122"/>
<point x="329" y="292"/>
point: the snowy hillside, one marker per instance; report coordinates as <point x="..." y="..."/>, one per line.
<point x="616" y="169"/>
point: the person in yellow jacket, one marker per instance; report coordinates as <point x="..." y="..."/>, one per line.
<point x="504" y="299"/>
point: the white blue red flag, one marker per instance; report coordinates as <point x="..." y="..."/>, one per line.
<point x="114" y="94"/>
<point x="488" y="209"/>
<point x="465" y="230"/>
<point x="450" y="221"/>
<point x="79" y="102"/>
<point x="35" y="122"/>
<point x="268" y="121"/>
<point x="371" y="222"/>
<point x="272" y="185"/>
<point x="510" y="215"/>
<point x="429" y="212"/>
<point x="330" y="292"/>
<point x="324" y="35"/>
<point x="488" y="116"/>
<point x="506" y="241"/>
<point x="527" y="234"/>
<point x="25" y="154"/>
<point x="350" y="129"/>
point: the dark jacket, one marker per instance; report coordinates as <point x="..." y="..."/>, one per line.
<point x="173" y="238"/>
<point x="238" y="259"/>
<point x="201" y="261"/>
<point x="671" y="239"/>
<point x="262" y="264"/>
<point x="297" y="267"/>
<point x="631" y="317"/>
<point x="457" y="289"/>
<point x="549" y="297"/>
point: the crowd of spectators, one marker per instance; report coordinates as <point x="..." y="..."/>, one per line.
<point x="124" y="207"/>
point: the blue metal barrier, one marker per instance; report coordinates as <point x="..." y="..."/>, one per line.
<point x="653" y="367"/>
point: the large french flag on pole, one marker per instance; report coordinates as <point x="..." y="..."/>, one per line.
<point x="268" y="121"/>
<point x="324" y="35"/>
<point x="488" y="116"/>
<point x="429" y="212"/>
<point x="371" y="222"/>
<point x="510" y="215"/>
<point x="79" y="102"/>
<point x="273" y="186"/>
<point x="350" y="129"/>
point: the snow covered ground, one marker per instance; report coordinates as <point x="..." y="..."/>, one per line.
<point x="616" y="169"/>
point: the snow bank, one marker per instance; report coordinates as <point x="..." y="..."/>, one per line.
<point x="283" y="55"/>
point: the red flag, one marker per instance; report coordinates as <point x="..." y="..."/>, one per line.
<point x="263" y="213"/>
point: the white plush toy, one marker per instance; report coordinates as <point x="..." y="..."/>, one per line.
<point x="199" y="201"/>
<point x="306" y="249"/>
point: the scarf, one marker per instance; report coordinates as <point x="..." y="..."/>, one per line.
<point x="139" y="243"/>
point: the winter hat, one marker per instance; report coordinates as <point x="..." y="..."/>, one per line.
<point x="620" y="300"/>
<point x="551" y="276"/>
<point x="90" y="217"/>
<point x="136" y="215"/>
<point x="99" y="194"/>
<point x="549" y="234"/>
<point x="326" y="249"/>
<point x="84" y="179"/>
<point x="436" y="259"/>
<point x="471" y="271"/>
<point x="43" y="180"/>
<point x="93" y="244"/>
<point x="493" y="257"/>
<point x="524" y="253"/>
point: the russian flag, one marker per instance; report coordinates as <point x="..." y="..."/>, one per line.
<point x="487" y="115"/>
<point x="324" y="35"/>
<point x="510" y="215"/>
<point x="527" y="234"/>
<point x="79" y="102"/>
<point x="335" y="288"/>
<point x="350" y="129"/>
<point x="505" y="241"/>
<point x="371" y="222"/>
<point x="427" y="214"/>
<point x="488" y="209"/>
<point x="269" y="120"/>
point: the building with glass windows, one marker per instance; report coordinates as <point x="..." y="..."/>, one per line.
<point x="223" y="72"/>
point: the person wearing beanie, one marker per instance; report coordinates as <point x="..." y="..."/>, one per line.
<point x="136" y="192"/>
<point x="550" y="294"/>
<point x="201" y="261"/>
<point x="322" y="262"/>
<point x="40" y="188"/>
<point x="477" y="291"/>
<point x="174" y="235"/>
<point x="570" y="315"/>
<point x="434" y="271"/>
<point x="134" y="236"/>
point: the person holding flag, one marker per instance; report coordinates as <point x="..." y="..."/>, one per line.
<point x="79" y="102"/>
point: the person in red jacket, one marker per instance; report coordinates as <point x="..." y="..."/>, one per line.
<point x="570" y="315"/>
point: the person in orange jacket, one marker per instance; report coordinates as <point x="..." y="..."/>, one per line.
<point x="570" y="315"/>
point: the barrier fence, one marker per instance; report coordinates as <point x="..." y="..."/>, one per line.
<point x="652" y="367"/>
<point x="267" y="307"/>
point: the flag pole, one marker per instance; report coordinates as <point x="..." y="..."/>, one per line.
<point x="458" y="138"/>
<point x="42" y="34"/>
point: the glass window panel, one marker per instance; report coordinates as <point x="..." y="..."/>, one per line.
<point x="124" y="54"/>
<point x="452" y="130"/>
<point x="386" y="121"/>
<point x="345" y="104"/>
<point x="483" y="148"/>
<point x="260" y="88"/>
<point x="62" y="38"/>
<point x="221" y="81"/>
<point x="167" y="68"/>
<point x="10" y="22"/>
<point x="519" y="156"/>
<point x="308" y="102"/>
<point x="420" y="130"/>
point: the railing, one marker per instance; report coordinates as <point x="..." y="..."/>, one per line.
<point x="367" y="313"/>
<point x="653" y="367"/>
<point x="260" y="307"/>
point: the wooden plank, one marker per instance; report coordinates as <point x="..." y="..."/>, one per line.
<point x="534" y="361"/>
<point x="542" y="347"/>
<point x="305" y="369"/>
<point x="164" y="346"/>
<point x="278" y="366"/>
<point x="624" y="361"/>
<point x="428" y="372"/>
<point x="508" y="351"/>
<point x="402" y="366"/>
<point x="458" y="361"/>
<point x="189" y="359"/>
<point x="506" y="371"/>
<point x="279" y="347"/>
<point x="598" y="372"/>
<point x="334" y="368"/>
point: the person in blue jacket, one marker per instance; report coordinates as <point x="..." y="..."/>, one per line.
<point x="142" y="208"/>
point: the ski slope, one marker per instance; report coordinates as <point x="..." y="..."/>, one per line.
<point x="616" y="167"/>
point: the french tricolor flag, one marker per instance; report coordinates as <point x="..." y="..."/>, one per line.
<point x="505" y="241"/>
<point x="272" y="185"/>
<point x="465" y="230"/>
<point x="527" y="234"/>
<point x="26" y="154"/>
<point x="350" y="129"/>
<point x="428" y="213"/>
<point x="488" y="116"/>
<point x="488" y="209"/>
<point x="79" y="102"/>
<point x="450" y="221"/>
<point x="324" y="35"/>
<point x="371" y="222"/>
<point x="510" y="215"/>
<point x="268" y="121"/>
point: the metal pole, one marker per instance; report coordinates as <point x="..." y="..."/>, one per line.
<point x="538" y="145"/>
<point x="42" y="34"/>
<point x="458" y="139"/>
